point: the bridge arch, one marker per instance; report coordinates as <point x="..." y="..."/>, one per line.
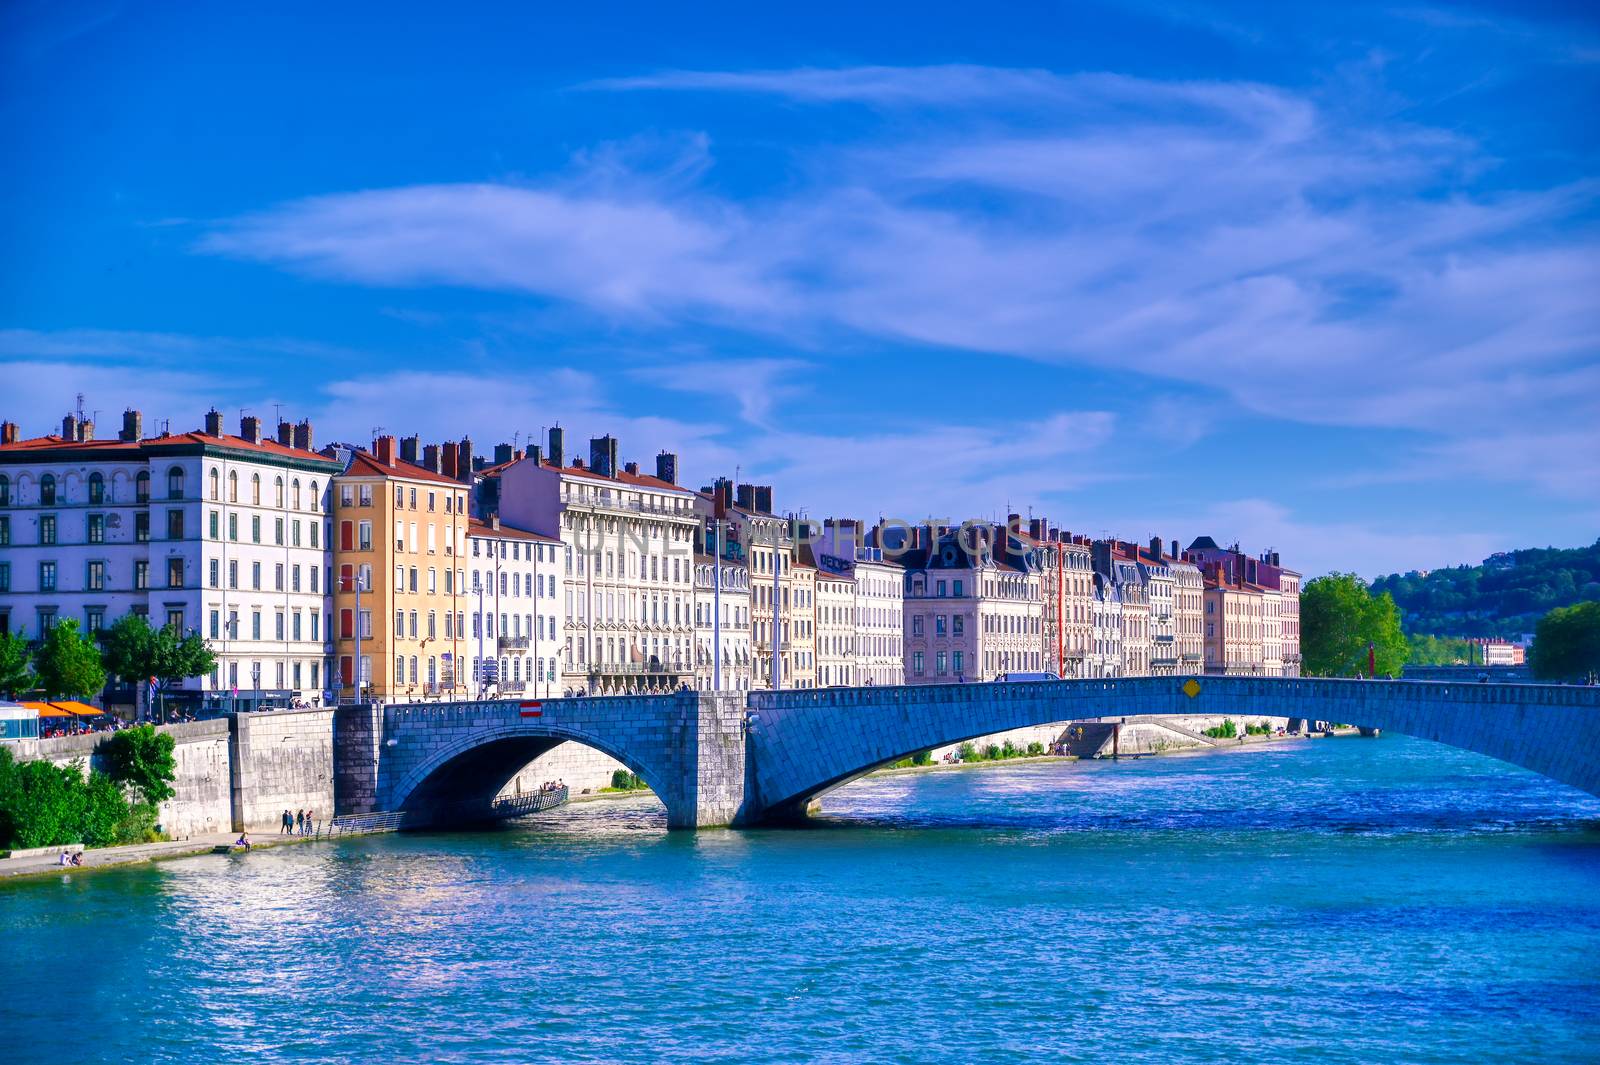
<point x="472" y="770"/>
<point x="807" y="743"/>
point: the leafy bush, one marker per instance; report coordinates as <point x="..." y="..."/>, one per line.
<point x="1035" y="749"/>
<point x="624" y="780"/>
<point x="1225" y="731"/>
<point x="142" y="759"/>
<point x="42" y="805"/>
<point x="967" y="752"/>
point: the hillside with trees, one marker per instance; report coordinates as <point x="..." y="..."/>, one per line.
<point x="1504" y="596"/>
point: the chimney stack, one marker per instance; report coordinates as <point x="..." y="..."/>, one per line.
<point x="69" y="428"/>
<point x="603" y="455"/>
<point x="747" y="496"/>
<point x="213" y="422"/>
<point x="558" y="454"/>
<point x="449" y="456"/>
<point x="383" y="450"/>
<point x="502" y="454"/>
<point x="1155" y="546"/>
<point x="431" y="459"/>
<point x="536" y="453"/>
<point x="8" y="432"/>
<point x="286" y="434"/>
<point x="667" y="467"/>
<point x="250" y="428"/>
<point x="132" y="426"/>
<point x="764" y="498"/>
<point x="464" y="460"/>
<point x="632" y="468"/>
<point x="1036" y="528"/>
<point x="302" y="435"/>
<point x="408" y="450"/>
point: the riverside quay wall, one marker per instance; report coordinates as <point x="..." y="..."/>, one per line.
<point x="233" y="773"/>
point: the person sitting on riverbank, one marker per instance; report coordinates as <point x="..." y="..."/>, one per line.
<point x="64" y="859"/>
<point x="77" y="857"/>
<point x="243" y="841"/>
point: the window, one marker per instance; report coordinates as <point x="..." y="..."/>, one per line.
<point x="938" y="626"/>
<point x="174" y="573"/>
<point x="278" y="577"/>
<point x="233" y="486"/>
<point x="97" y="488"/>
<point x="916" y="624"/>
<point x="141" y="487"/>
<point x="233" y="527"/>
<point x="294" y="493"/>
<point x="365" y="495"/>
<point x="175" y="483"/>
<point x="255" y="624"/>
<point x="957" y="589"/>
<point x="141" y="575"/>
<point x="216" y="624"/>
<point x="47" y="529"/>
<point x="94" y="618"/>
<point x="215" y="483"/>
<point x="255" y="575"/>
<point x="916" y="663"/>
<point x="47" y="490"/>
<point x="5" y="576"/>
<point x="215" y="526"/>
<point x="215" y="573"/>
<point x="174" y="525"/>
<point x="96" y="581"/>
<point x="47" y="576"/>
<point x="141" y="527"/>
<point x="347" y="535"/>
<point x="958" y="624"/>
<point x="5" y="490"/>
<point x="97" y="528"/>
<point x="956" y="660"/>
<point x="278" y="492"/>
<point x="255" y="528"/>
<point x="364" y="536"/>
<point x="233" y="573"/>
<point x="255" y="489"/>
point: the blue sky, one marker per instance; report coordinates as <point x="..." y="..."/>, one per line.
<point x="1324" y="282"/>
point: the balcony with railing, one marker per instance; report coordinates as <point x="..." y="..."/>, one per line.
<point x="513" y="643"/>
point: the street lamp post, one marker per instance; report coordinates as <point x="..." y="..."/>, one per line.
<point x="255" y="682"/>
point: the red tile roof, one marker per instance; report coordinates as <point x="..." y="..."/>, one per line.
<point x="366" y="464"/>
<point x="506" y="532"/>
<point x="238" y="443"/>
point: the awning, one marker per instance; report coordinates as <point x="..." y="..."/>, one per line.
<point x="81" y="709"/>
<point x="46" y="710"/>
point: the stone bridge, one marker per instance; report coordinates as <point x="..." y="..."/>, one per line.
<point x="736" y="759"/>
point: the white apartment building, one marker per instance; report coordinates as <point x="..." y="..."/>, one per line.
<point x="1188" y="615"/>
<point x="627" y="568"/>
<point x="722" y="620"/>
<point x="222" y="535"/>
<point x="782" y="593"/>
<point x="1160" y="591"/>
<point x="1105" y="648"/>
<point x="516" y="637"/>
<point x="836" y="628"/>
<point x="879" y="600"/>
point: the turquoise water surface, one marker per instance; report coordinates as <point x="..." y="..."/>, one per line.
<point x="1341" y="900"/>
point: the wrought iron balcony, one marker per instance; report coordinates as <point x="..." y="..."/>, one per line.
<point x="513" y="643"/>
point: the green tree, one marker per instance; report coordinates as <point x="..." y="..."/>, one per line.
<point x="1566" y="645"/>
<point x="135" y="652"/>
<point x="142" y="759"/>
<point x="1339" y="618"/>
<point x="69" y="663"/>
<point x="16" y="672"/>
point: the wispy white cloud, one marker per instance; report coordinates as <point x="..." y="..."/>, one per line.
<point x="1236" y="236"/>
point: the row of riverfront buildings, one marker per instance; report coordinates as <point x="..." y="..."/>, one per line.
<point x="401" y="571"/>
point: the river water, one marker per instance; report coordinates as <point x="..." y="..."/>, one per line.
<point x="1340" y="900"/>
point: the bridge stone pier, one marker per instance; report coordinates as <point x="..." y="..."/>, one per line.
<point x="729" y="759"/>
<point x="688" y="747"/>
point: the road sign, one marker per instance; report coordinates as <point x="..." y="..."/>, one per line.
<point x="1191" y="687"/>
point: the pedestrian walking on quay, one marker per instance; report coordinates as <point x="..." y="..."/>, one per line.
<point x="288" y="824"/>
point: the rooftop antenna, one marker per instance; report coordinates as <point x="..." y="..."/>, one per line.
<point x="80" y="406"/>
<point x="277" y="413"/>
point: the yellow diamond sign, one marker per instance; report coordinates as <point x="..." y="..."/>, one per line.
<point x="1191" y="687"/>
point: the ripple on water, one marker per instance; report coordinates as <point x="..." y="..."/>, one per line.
<point x="1339" y="901"/>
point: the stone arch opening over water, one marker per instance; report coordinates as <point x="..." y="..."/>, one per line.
<point x="461" y="782"/>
